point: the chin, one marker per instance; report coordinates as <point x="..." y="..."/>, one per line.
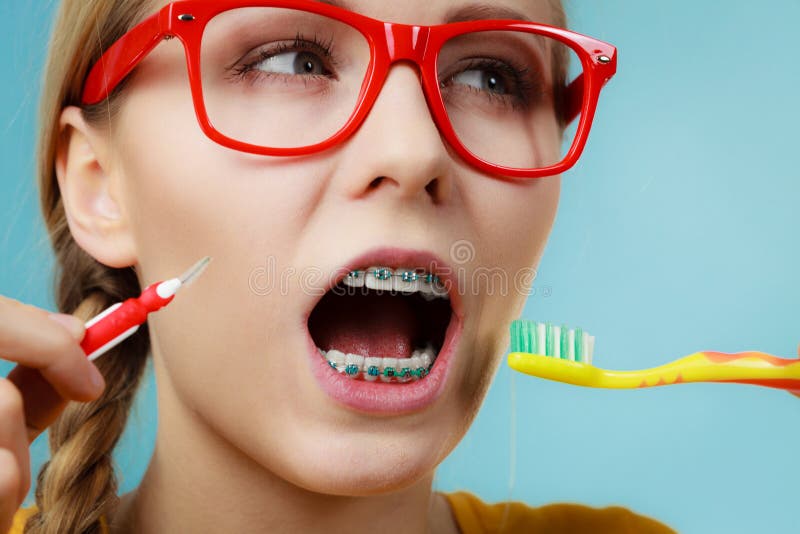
<point x="369" y="464"/>
<point x="361" y="477"/>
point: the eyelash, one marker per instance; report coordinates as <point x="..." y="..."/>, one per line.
<point x="316" y="45"/>
<point x="525" y="89"/>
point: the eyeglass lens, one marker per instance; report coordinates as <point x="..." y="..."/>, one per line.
<point x="286" y="78"/>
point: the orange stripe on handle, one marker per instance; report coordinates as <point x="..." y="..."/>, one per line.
<point x="722" y="357"/>
<point x="791" y="384"/>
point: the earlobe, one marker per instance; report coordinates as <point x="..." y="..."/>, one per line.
<point x="89" y="185"/>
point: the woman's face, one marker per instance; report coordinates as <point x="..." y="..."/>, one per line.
<point x="233" y="353"/>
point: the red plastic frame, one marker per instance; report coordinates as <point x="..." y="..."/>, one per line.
<point x="389" y="43"/>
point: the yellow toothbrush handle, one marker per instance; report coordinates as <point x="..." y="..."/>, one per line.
<point x="750" y="367"/>
<point x="567" y="371"/>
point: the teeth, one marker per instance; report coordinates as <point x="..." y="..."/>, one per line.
<point x="372" y="363"/>
<point x="426" y="290"/>
<point x="388" y="363"/>
<point x="337" y="358"/>
<point x="439" y="289"/>
<point x="426" y="359"/>
<point x="354" y="364"/>
<point x="354" y="279"/>
<point x="406" y="280"/>
<point x="432" y="288"/>
<point x="402" y="369"/>
<point x="379" y="278"/>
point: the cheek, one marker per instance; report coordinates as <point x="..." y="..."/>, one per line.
<point x="524" y="222"/>
<point x="514" y="222"/>
<point x="188" y="197"/>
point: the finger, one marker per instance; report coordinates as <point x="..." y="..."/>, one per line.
<point x="13" y="436"/>
<point x="41" y="403"/>
<point x="29" y="337"/>
<point x="9" y="488"/>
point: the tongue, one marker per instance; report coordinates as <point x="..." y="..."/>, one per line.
<point x="369" y="325"/>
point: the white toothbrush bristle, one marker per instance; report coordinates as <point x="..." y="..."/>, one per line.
<point x="585" y="346"/>
<point x="571" y="344"/>
<point x="541" y="340"/>
<point x="557" y="341"/>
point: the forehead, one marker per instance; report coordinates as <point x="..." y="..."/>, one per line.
<point x="440" y="11"/>
<point x="429" y="12"/>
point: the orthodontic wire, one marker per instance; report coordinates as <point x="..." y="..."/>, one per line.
<point x="372" y="370"/>
<point x="387" y="274"/>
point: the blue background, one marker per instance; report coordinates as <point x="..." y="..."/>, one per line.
<point x="676" y="233"/>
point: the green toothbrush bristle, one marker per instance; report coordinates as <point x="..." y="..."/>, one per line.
<point x="531" y="337"/>
<point x="526" y="343"/>
<point x="541" y="338"/>
<point x="548" y="348"/>
<point x="518" y="337"/>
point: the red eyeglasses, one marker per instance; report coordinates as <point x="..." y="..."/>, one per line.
<point x="293" y="77"/>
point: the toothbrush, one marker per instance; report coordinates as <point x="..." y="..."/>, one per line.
<point x="121" y="320"/>
<point x="557" y="353"/>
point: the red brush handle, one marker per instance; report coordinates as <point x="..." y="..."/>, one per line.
<point x="121" y="320"/>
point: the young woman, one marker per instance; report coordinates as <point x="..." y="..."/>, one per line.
<point x="313" y="145"/>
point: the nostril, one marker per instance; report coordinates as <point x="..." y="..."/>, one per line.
<point x="433" y="187"/>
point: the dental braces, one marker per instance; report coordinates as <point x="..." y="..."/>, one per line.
<point x="405" y="276"/>
<point x="352" y="370"/>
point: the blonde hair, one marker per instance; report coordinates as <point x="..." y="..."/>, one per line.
<point x="77" y="487"/>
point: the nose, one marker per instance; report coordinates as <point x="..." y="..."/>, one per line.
<point x="398" y="149"/>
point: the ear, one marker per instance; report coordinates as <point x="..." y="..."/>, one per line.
<point x="90" y="189"/>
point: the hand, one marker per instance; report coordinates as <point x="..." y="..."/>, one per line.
<point x="52" y="370"/>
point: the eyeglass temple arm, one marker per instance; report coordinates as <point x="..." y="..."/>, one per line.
<point x="573" y="100"/>
<point x="573" y="94"/>
<point x="119" y="60"/>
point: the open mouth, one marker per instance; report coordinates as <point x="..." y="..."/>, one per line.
<point x="382" y="324"/>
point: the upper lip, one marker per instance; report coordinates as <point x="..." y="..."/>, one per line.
<point x="394" y="257"/>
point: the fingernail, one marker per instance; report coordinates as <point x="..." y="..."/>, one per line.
<point x="71" y="323"/>
<point x="96" y="378"/>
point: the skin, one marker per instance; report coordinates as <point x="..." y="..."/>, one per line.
<point x="242" y="422"/>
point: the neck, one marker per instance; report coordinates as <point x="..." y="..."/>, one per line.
<point x="219" y="488"/>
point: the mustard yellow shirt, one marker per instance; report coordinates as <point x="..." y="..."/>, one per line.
<point x="474" y="516"/>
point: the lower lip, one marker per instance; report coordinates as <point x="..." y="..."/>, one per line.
<point x="387" y="398"/>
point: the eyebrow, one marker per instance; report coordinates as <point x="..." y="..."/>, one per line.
<point x="479" y="11"/>
<point x="337" y="3"/>
<point x="474" y="11"/>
